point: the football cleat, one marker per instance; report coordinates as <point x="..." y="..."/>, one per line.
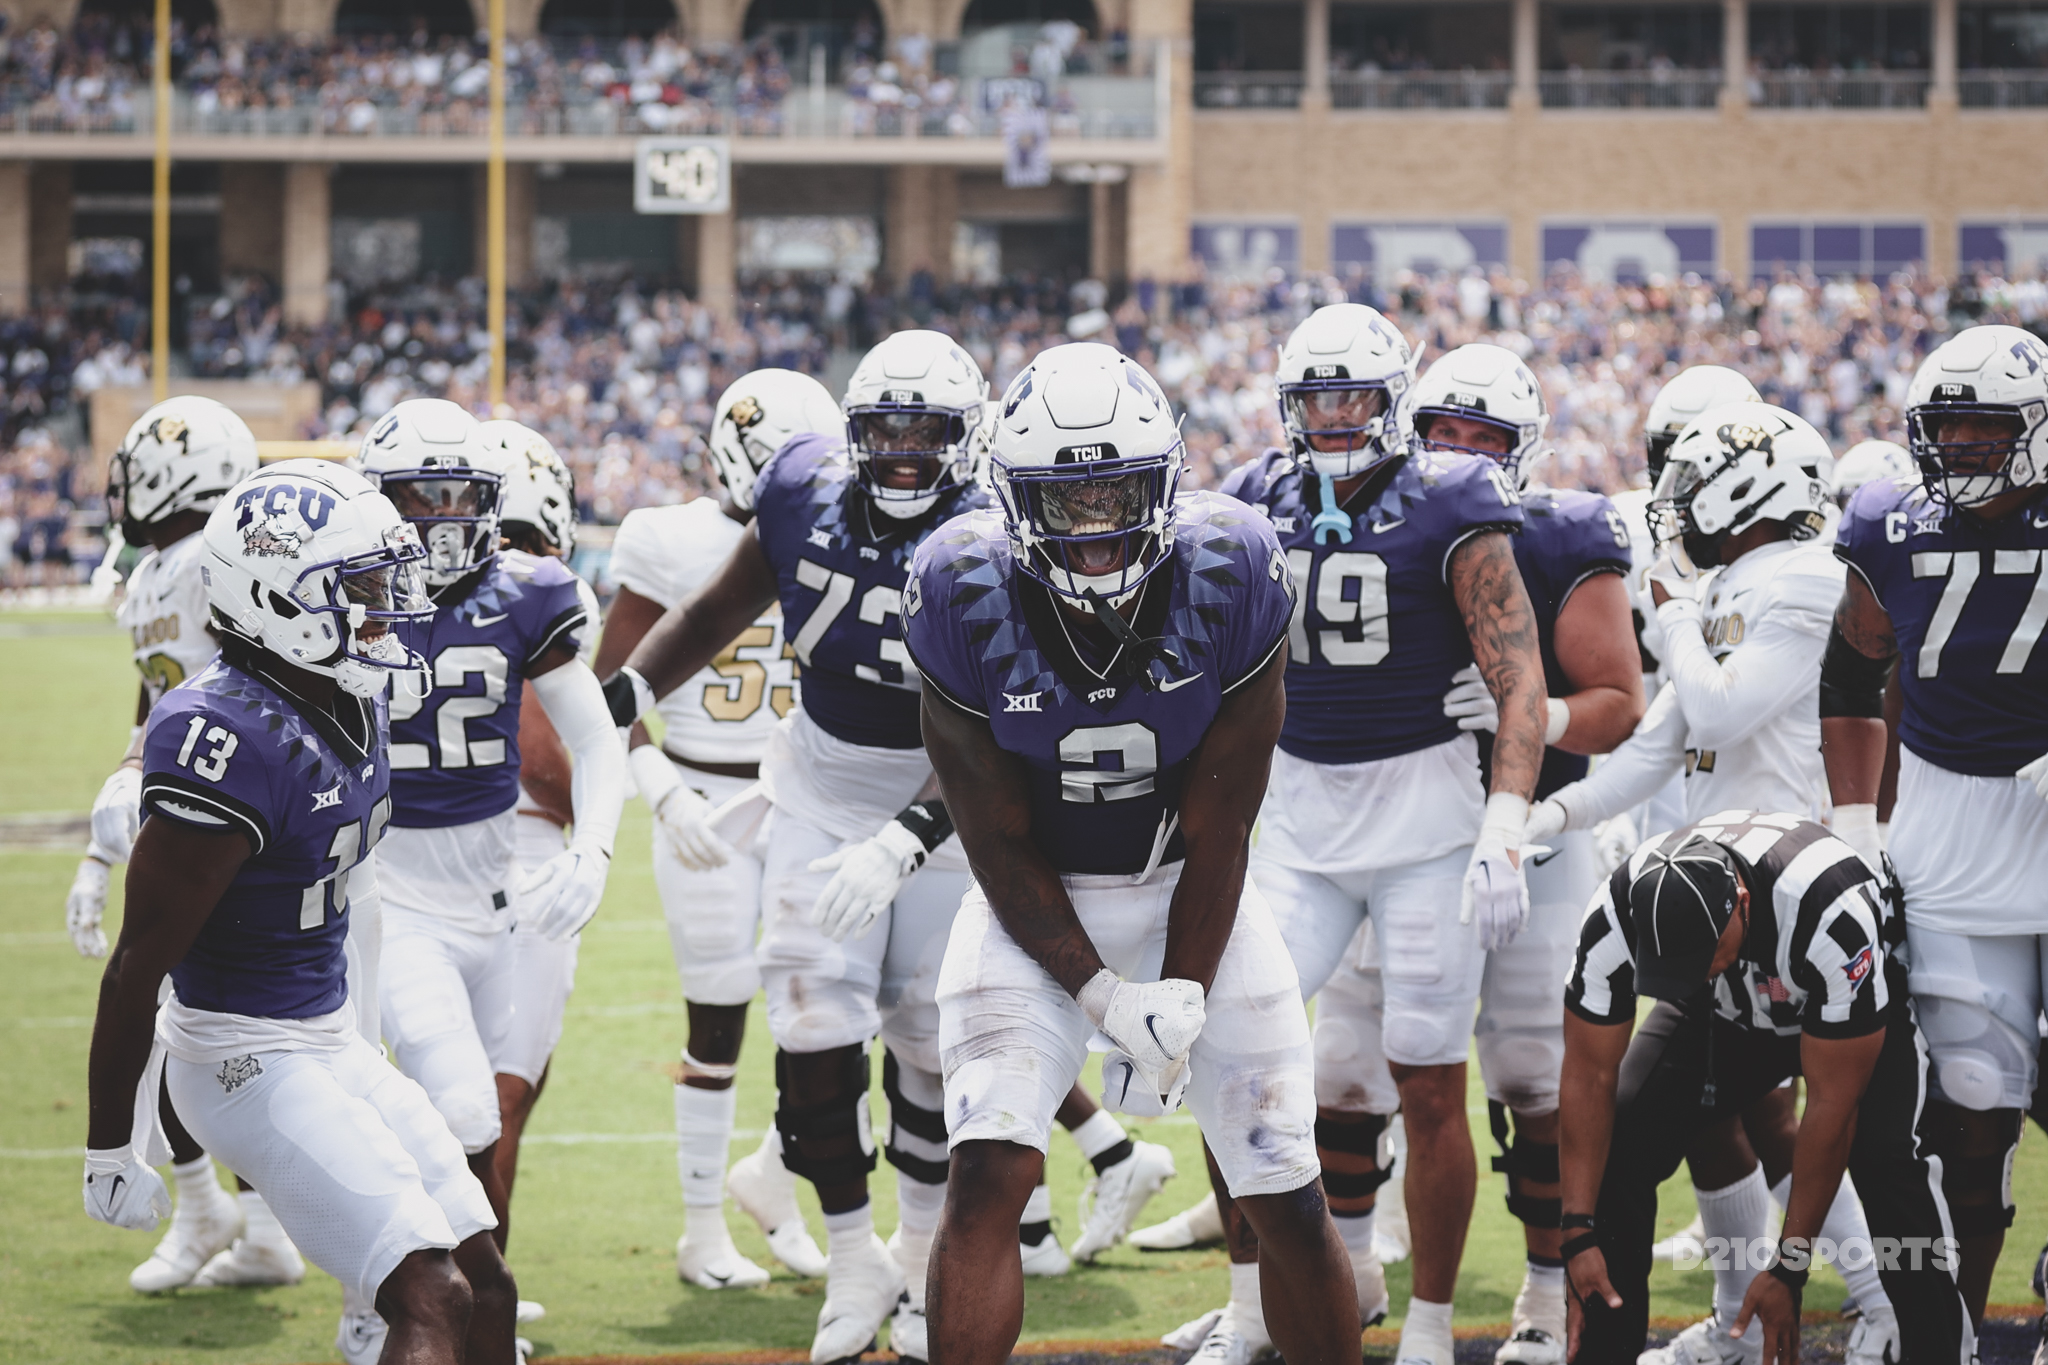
<point x="1537" y="1333"/>
<point x="1193" y="1332"/>
<point x="1370" y="1277"/>
<point x="252" y="1263"/>
<point x="1874" y="1340"/>
<point x="766" y="1193"/>
<point x="1707" y="1342"/>
<point x="1234" y="1339"/>
<point x="1196" y="1226"/>
<point x="715" y="1264"/>
<point x="200" y="1230"/>
<point x="909" y="1333"/>
<point x="528" y="1311"/>
<point x="1115" y="1198"/>
<point x="861" y="1292"/>
<point x="360" y="1338"/>
<point x="1688" y="1243"/>
<point x="1045" y="1260"/>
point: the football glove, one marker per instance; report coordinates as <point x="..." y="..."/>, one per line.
<point x="122" y="1191"/>
<point x="683" y="816"/>
<point x="1613" y="840"/>
<point x="1126" y="1090"/>
<point x="117" y="812"/>
<point x="865" y="879"/>
<point x="1855" y="824"/>
<point x="1681" y="582"/>
<point x="1470" y="703"/>
<point x="1495" y="896"/>
<point x="1155" y="1023"/>
<point x="1547" y="820"/>
<point x="84" y="906"/>
<point x="563" y="893"/>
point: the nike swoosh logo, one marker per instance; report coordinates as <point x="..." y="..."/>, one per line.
<point x="1379" y="527"/>
<point x="493" y="620"/>
<point x="1154" y="1032"/>
<point x="714" y="1275"/>
<point x="114" y="1195"/>
<point x="1178" y="682"/>
<point x="1541" y="859"/>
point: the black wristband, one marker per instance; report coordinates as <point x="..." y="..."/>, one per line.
<point x="928" y="820"/>
<point x="619" y="699"/>
<point x="1792" y="1277"/>
<point x="1576" y="1220"/>
<point x="1584" y="1242"/>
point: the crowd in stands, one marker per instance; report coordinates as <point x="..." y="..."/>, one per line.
<point x="622" y="377"/>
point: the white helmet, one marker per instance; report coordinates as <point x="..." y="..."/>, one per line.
<point x="302" y="557"/>
<point x="180" y="456"/>
<point x="429" y="457"/>
<point x="1867" y="462"/>
<point x="1086" y="461"/>
<point x="1689" y="393"/>
<point x="1993" y="372"/>
<point x="1482" y="383"/>
<point x="1734" y="466"/>
<point x="756" y="416"/>
<point x="914" y="399"/>
<point x="540" y="490"/>
<point x="1345" y="348"/>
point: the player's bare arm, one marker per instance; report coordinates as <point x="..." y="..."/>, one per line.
<point x="689" y="635"/>
<point x="176" y="876"/>
<point x="1225" y="785"/>
<point x="1853" y="674"/>
<point x="1596" y="645"/>
<point x="1585" y="1106"/>
<point x="989" y="797"/>
<point x="1502" y="626"/>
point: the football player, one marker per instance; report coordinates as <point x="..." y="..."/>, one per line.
<point x="1868" y="461"/>
<point x="853" y="929"/>
<point x="1105" y="667"/>
<point x="266" y="781"/>
<point x="1765" y="942"/>
<point x="171" y="470"/>
<point x="715" y="728"/>
<point x="1948" y="580"/>
<point x="1404" y="574"/>
<point x="1574" y="556"/>
<point x="1743" y="586"/>
<point x="452" y="895"/>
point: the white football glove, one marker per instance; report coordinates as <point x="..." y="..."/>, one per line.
<point x="563" y="893"/>
<point x="1613" y="840"/>
<point x="83" y="907"/>
<point x="683" y="816"/>
<point x="1155" y="1023"/>
<point x="1547" y="819"/>
<point x="1680" y="581"/>
<point x="117" y="812"/>
<point x="121" y="1190"/>
<point x="1495" y="896"/>
<point x="1470" y="703"/>
<point x="1127" y="1090"/>
<point x="1855" y="824"/>
<point x="2036" y="773"/>
<point x="865" y="879"/>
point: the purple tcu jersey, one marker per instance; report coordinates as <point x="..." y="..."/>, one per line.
<point x="1107" y="744"/>
<point x="232" y="750"/>
<point x="455" y="752"/>
<point x="1567" y="537"/>
<point x="839" y="570"/>
<point x="1967" y="599"/>
<point x="1376" y="634"/>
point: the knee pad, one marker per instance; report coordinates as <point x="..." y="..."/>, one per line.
<point x="917" y="1127"/>
<point x="1976" y="1059"/>
<point x="1353" y="1139"/>
<point x="1525" y="1162"/>
<point x="1977" y="1185"/>
<point x="832" y="1142"/>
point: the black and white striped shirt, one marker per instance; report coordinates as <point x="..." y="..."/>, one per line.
<point x="1814" y="965"/>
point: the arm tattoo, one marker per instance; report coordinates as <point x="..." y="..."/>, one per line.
<point x="1864" y="622"/>
<point x="1502" y="626"/>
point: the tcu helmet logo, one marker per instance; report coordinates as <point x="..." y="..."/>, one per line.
<point x="268" y="524"/>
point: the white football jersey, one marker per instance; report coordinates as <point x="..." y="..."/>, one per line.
<point x="165" y="614"/>
<point x="724" y="714"/>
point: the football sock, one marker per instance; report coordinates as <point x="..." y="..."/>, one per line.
<point x="704" y="1121"/>
<point x="1102" y="1140"/>
<point x="1846" y="1226"/>
<point x="849" y="1233"/>
<point x="1356" y="1230"/>
<point x="198" y="1188"/>
<point x="1426" y="1322"/>
<point x="1741" y="1210"/>
<point x="1035" y="1225"/>
<point x="918" y="1208"/>
<point x="259" y="1225"/>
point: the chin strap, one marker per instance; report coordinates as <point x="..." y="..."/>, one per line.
<point x="1332" y="519"/>
<point x="1143" y="650"/>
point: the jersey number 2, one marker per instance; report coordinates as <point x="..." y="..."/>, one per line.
<point x="1350" y="591"/>
<point x="452" y="668"/>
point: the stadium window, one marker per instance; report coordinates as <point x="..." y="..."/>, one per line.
<point x="986" y="14"/>
<point x="1438" y="37"/>
<point x="1821" y="37"/>
<point x="606" y="18"/>
<point x="1834" y="248"/>
<point x="190" y="15"/>
<point x="1247" y="35"/>
<point x="435" y="18"/>
<point x="1638" y="37"/>
<point x="846" y="29"/>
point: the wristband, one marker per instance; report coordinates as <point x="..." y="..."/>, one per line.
<point x="1559" y="719"/>
<point x="1794" y="1280"/>
<point x="929" y="821"/>
<point x="1577" y="1246"/>
<point x="628" y="696"/>
<point x="1575" y="1220"/>
<point x="1095" y="996"/>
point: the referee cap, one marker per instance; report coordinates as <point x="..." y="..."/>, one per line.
<point x="1680" y="902"/>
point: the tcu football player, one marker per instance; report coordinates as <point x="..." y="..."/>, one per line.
<point x="172" y="469"/>
<point x="1404" y="574"/>
<point x="452" y="893"/>
<point x="266" y="780"/>
<point x="1573" y="552"/>
<point x="1949" y="580"/>
<point x="715" y="728"/>
<point x="1104" y="668"/>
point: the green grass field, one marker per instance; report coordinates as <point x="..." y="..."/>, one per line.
<point x="597" y="1210"/>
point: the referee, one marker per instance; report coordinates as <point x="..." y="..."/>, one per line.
<point x="1763" y="940"/>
